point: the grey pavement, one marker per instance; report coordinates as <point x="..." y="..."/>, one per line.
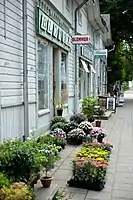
<point x="119" y="185"/>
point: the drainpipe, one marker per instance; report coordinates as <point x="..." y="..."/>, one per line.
<point x="25" y="72"/>
<point x="76" y="53"/>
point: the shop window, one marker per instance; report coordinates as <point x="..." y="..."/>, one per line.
<point x="79" y="17"/>
<point x="43" y="76"/>
<point x="81" y="83"/>
<point x="64" y="93"/>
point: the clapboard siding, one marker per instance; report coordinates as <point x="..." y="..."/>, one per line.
<point x="11" y="51"/>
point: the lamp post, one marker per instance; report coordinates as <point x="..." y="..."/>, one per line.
<point x="76" y="51"/>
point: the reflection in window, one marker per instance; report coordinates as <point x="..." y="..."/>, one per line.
<point x="43" y="76"/>
<point x="64" y="78"/>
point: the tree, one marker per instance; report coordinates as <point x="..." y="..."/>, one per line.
<point x="121" y="60"/>
<point x="121" y="12"/>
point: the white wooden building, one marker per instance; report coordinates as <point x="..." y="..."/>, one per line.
<point x="50" y="60"/>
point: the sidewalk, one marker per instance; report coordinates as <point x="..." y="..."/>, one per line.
<point x="119" y="184"/>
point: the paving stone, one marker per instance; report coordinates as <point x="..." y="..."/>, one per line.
<point x="121" y="186"/>
<point x="125" y="178"/>
<point x="122" y="167"/>
<point x="76" y="190"/>
<point x="62" y="175"/>
<point x="98" y="195"/>
<point x="122" y="194"/>
<point x="79" y="196"/>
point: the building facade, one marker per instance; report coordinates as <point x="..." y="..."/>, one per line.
<point x="50" y="61"/>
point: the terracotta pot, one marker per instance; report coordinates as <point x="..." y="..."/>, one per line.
<point x="46" y="181"/>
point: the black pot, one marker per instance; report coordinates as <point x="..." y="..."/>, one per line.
<point x="59" y="112"/>
<point x="74" y="142"/>
<point x="100" y="139"/>
<point x="98" y="123"/>
<point x="97" y="185"/>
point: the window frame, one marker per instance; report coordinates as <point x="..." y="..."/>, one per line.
<point x="68" y="5"/>
<point x="47" y="109"/>
<point x="80" y="17"/>
<point x="66" y="55"/>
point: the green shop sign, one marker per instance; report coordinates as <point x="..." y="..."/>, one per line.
<point x="50" y="30"/>
<point x="101" y="53"/>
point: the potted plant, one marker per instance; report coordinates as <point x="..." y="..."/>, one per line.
<point x="57" y="119"/>
<point x="98" y="133"/>
<point x="52" y="156"/>
<point x="59" y="137"/>
<point x="88" y="107"/>
<point x="78" y="118"/>
<point x="76" y="136"/>
<point x="99" y="112"/>
<point x="59" y="109"/>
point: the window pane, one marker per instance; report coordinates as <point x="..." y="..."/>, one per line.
<point x="43" y="76"/>
<point x="64" y="78"/>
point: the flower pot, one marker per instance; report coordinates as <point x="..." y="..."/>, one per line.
<point x="63" y="146"/>
<point x="59" y="112"/>
<point x="74" y="142"/>
<point x="46" y="181"/>
<point x="100" y="139"/>
<point x="98" y="123"/>
<point x="97" y="185"/>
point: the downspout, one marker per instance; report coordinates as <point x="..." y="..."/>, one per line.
<point x="76" y="53"/>
<point x="25" y="72"/>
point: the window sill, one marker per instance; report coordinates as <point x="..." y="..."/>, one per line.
<point x="43" y="112"/>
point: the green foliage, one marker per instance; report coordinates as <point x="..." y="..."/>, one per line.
<point x="88" y="106"/>
<point x="78" y="118"/>
<point x="21" y="160"/>
<point x="120" y="60"/>
<point x="58" y="125"/>
<point x="57" y="119"/>
<point x="121" y="18"/>
<point x="17" y="191"/>
<point x="4" y="182"/>
<point x="121" y="63"/>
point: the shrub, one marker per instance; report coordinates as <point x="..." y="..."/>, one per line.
<point x="70" y="126"/>
<point x="58" y="125"/>
<point x="23" y="159"/>
<point x="17" y="191"/>
<point x="57" y="119"/>
<point x="4" y="182"/>
<point x="78" y="118"/>
<point x="88" y="106"/>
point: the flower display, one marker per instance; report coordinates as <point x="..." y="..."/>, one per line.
<point x="96" y="153"/>
<point x="59" y="133"/>
<point x="90" y="166"/>
<point x="98" y="131"/>
<point x="76" y="136"/>
<point x="86" y="127"/>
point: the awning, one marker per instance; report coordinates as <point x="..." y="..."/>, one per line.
<point x="92" y="68"/>
<point x="85" y="66"/>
